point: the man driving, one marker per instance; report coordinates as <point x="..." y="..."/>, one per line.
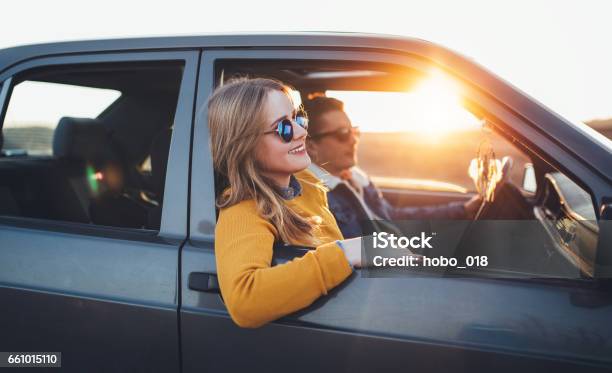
<point x="332" y="146"/>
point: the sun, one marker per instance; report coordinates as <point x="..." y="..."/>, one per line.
<point x="437" y="107"/>
<point x="432" y="109"/>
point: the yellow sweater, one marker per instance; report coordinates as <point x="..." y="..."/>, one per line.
<point x="256" y="293"/>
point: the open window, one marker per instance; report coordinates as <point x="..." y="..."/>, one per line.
<point x="89" y="143"/>
<point x="420" y="131"/>
<point x="417" y="132"/>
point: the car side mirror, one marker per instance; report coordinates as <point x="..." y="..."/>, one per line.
<point x="529" y="178"/>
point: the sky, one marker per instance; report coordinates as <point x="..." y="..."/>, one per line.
<point x="556" y="51"/>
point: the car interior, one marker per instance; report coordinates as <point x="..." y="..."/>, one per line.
<point x="532" y="194"/>
<point x="312" y="79"/>
<point x="95" y="173"/>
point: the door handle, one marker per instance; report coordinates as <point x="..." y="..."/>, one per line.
<point x="206" y="282"/>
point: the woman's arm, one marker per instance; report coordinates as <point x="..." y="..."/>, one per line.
<point x="256" y="293"/>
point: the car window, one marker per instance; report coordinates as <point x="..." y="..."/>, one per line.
<point x="576" y="198"/>
<point x="419" y="134"/>
<point x="32" y="117"/>
<point x="427" y="131"/>
<point x="90" y="143"/>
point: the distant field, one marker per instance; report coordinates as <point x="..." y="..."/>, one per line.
<point x="36" y="139"/>
<point x="408" y="155"/>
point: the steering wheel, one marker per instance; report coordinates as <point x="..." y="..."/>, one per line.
<point x="492" y="178"/>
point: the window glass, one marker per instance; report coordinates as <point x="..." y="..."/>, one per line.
<point x="35" y="109"/>
<point x="89" y="143"/>
<point x="427" y="131"/>
<point x="419" y="133"/>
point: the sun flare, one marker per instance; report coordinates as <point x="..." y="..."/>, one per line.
<point x="431" y="109"/>
<point x="438" y="109"/>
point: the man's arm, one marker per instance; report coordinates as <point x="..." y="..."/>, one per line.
<point x="382" y="207"/>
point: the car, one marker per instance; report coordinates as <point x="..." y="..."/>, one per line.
<point x="107" y="217"/>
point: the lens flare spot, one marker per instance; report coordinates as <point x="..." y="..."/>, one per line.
<point x="92" y="179"/>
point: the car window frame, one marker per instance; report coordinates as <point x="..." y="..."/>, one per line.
<point x="49" y="155"/>
<point x="5" y="88"/>
<point x="484" y="94"/>
<point x="173" y="223"/>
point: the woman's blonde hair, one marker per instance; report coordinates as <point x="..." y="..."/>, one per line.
<point x="236" y="121"/>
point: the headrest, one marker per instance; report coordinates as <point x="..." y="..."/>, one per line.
<point x="82" y="138"/>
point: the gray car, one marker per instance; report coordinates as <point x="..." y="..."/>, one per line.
<point x="107" y="218"/>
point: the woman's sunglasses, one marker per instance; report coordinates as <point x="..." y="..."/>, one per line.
<point x="284" y="128"/>
<point x="341" y="134"/>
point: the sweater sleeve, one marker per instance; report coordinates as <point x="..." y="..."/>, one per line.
<point x="256" y="293"/>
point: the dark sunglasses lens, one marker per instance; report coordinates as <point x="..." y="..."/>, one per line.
<point x="302" y="121"/>
<point x="285" y="130"/>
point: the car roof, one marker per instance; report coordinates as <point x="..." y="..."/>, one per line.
<point x="10" y="56"/>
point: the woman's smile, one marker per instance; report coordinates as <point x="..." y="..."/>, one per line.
<point x="298" y="150"/>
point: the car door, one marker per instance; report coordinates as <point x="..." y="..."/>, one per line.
<point x="105" y="297"/>
<point x="366" y="324"/>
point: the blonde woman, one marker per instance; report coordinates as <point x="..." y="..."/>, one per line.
<point x="258" y="144"/>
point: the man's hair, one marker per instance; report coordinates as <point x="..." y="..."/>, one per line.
<point x="317" y="107"/>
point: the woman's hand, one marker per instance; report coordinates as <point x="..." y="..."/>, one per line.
<point x="352" y="251"/>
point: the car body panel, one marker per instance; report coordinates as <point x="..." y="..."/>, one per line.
<point x="105" y="297"/>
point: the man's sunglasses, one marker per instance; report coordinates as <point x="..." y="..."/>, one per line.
<point x="284" y="128"/>
<point x="341" y="134"/>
